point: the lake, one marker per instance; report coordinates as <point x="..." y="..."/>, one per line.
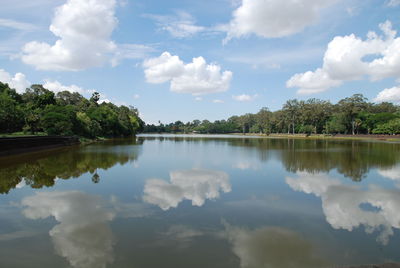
<point x="202" y="201"/>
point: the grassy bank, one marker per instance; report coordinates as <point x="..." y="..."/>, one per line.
<point x="393" y="138"/>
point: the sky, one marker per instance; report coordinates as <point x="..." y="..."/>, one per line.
<point x="210" y="59"/>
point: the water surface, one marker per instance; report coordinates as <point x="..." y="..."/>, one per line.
<point x="202" y="201"/>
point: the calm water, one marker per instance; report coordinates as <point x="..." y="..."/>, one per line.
<point x="175" y="201"/>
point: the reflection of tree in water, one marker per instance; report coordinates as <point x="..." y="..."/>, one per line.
<point x="42" y="169"/>
<point x="96" y="177"/>
<point x="353" y="159"/>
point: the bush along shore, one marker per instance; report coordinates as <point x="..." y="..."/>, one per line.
<point x="353" y="115"/>
<point x="39" y="111"/>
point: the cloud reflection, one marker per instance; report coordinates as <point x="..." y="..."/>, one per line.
<point x="393" y="173"/>
<point x="83" y="235"/>
<point x="195" y="185"/>
<point x="270" y="247"/>
<point x="347" y="207"/>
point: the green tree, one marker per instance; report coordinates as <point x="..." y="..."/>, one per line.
<point x="59" y="120"/>
<point x="351" y="107"/>
<point x="11" y="116"/>
<point x="292" y="112"/>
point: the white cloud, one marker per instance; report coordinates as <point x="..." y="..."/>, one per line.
<point x="18" y="82"/>
<point x="196" y="78"/>
<point x="274" y="18"/>
<point x="393" y="3"/>
<point x="103" y="100"/>
<point x="83" y="235"/>
<point x="196" y="185"/>
<point x="389" y="95"/>
<point x="163" y="69"/>
<point x="217" y="101"/>
<point x="21" y="184"/>
<point x="317" y="184"/>
<point x="393" y="173"/>
<point x="272" y="247"/>
<point x="312" y="82"/>
<point x="342" y="204"/>
<point x="23" y="26"/>
<point x="56" y="87"/>
<point x="136" y="96"/>
<point x="198" y="99"/>
<point x="84" y="29"/>
<point x="181" y="25"/>
<point x="245" y="97"/>
<point x="346" y="59"/>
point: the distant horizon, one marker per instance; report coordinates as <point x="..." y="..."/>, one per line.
<point x="186" y="60"/>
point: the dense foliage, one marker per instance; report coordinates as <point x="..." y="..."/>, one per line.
<point x="352" y="115"/>
<point x="43" y="169"/>
<point x="64" y="113"/>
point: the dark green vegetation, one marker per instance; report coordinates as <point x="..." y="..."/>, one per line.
<point x="40" y="110"/>
<point x="42" y="169"/>
<point x="352" y="115"/>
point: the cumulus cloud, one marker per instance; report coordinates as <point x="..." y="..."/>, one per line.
<point x="217" y="101"/>
<point x="346" y="58"/>
<point x="392" y="173"/>
<point x="196" y="78"/>
<point x="389" y="95"/>
<point x="196" y="185"/>
<point x="342" y="204"/>
<point x="18" y="82"/>
<point x="271" y="247"/>
<point x="84" y="29"/>
<point x="274" y="18"/>
<point x="56" y="87"/>
<point x="312" y="82"/>
<point x="180" y="25"/>
<point x="82" y="236"/>
<point x="244" y="97"/>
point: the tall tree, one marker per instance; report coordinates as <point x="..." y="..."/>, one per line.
<point x="292" y="111"/>
<point x="351" y="107"/>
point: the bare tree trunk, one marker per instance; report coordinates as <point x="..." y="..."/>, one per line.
<point x="293" y="127"/>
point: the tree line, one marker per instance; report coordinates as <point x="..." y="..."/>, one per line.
<point x="351" y="115"/>
<point x="65" y="113"/>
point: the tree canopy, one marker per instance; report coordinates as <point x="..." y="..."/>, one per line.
<point x="64" y="113"/>
<point x="351" y="115"/>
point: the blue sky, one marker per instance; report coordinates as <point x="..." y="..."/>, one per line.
<point x="186" y="59"/>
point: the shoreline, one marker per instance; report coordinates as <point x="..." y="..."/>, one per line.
<point x="10" y="146"/>
<point x="365" y="137"/>
<point x="388" y="138"/>
<point x="21" y="145"/>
